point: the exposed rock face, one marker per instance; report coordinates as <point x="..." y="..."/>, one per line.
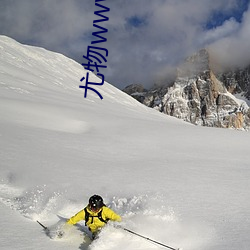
<point x="199" y="97"/>
<point x="237" y="81"/>
<point x="137" y="91"/>
<point x="134" y="88"/>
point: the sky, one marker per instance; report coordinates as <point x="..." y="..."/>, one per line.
<point x="146" y="39"/>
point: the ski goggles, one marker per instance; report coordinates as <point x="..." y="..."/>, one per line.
<point x="94" y="208"/>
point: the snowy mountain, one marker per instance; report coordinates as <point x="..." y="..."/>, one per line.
<point x="182" y="185"/>
<point x="201" y="96"/>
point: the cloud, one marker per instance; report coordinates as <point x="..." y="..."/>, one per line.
<point x="53" y="24"/>
<point x="145" y="38"/>
<point x="233" y="49"/>
<point x="228" y="28"/>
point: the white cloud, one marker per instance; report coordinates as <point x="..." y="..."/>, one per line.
<point x="233" y="50"/>
<point x="228" y="28"/>
<point x="171" y="31"/>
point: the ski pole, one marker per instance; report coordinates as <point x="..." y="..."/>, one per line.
<point x="146" y="238"/>
<point x="45" y="228"/>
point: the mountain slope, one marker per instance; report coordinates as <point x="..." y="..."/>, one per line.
<point x="179" y="184"/>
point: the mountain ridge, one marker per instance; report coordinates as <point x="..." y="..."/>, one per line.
<point x="200" y="95"/>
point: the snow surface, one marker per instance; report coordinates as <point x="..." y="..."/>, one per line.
<point x="182" y="185"/>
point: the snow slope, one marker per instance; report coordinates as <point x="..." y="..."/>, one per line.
<point x="176" y="183"/>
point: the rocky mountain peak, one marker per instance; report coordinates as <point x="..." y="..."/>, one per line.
<point x="202" y="97"/>
<point x="196" y="64"/>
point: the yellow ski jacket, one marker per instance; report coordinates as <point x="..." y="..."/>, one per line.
<point x="94" y="223"/>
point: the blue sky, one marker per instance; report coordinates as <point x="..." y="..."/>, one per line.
<point x="136" y="21"/>
<point x="218" y="17"/>
<point x="146" y="39"/>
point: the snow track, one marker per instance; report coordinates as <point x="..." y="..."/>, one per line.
<point x="144" y="214"/>
<point x="32" y="204"/>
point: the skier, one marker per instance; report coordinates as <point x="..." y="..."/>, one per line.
<point x="95" y="214"/>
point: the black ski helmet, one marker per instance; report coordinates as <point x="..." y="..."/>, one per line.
<point x="96" y="202"/>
